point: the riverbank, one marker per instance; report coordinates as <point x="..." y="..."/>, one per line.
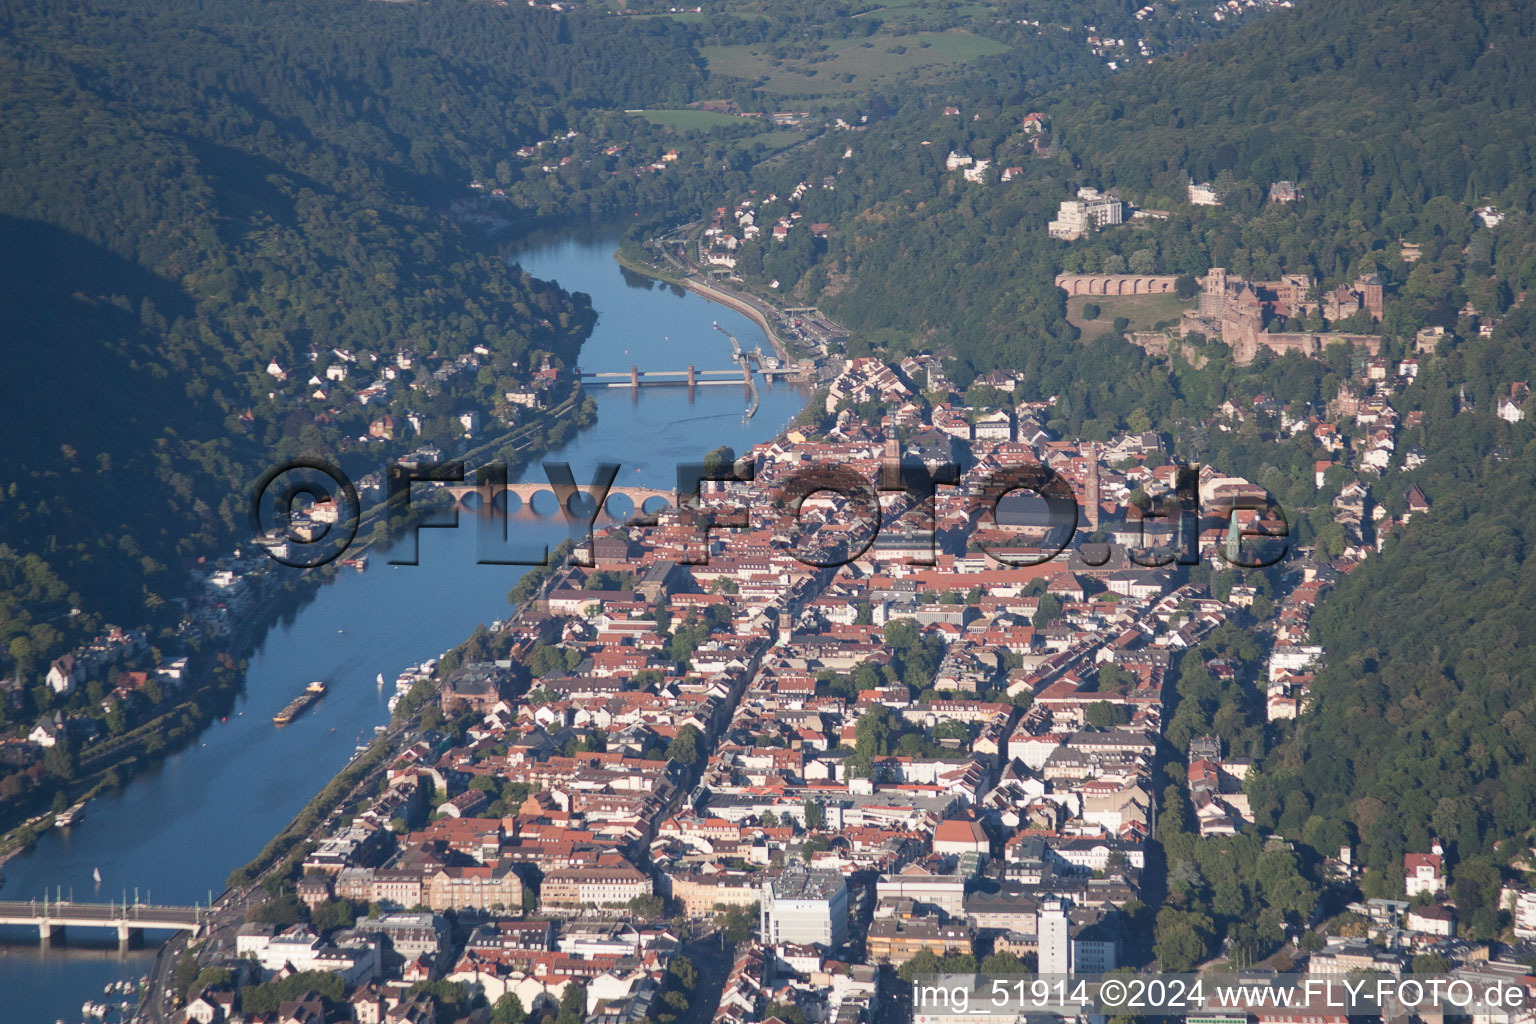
<point x="749" y="306"/>
<point x="214" y="680"/>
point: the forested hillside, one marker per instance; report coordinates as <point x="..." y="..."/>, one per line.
<point x="1396" y="121"/>
<point x="191" y="189"/>
<point x="1406" y="109"/>
<point x="1421" y="722"/>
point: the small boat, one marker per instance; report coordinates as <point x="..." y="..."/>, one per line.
<point x="381" y="679"/>
<point x="96" y="874"/>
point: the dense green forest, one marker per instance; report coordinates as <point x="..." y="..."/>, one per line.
<point x="1421" y="721"/>
<point x="190" y="189"/>
<point x="1410" y="111"/>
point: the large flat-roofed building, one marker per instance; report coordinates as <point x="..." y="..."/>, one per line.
<point x="916" y="883"/>
<point x="896" y="940"/>
<point x="1091" y="209"/>
<point x="700" y="894"/>
<point x="805" y="906"/>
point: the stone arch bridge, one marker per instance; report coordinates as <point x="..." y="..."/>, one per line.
<point x="525" y="494"/>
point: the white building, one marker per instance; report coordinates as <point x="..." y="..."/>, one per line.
<point x="1424" y="873"/>
<point x="1054" y="931"/>
<point x="1075" y="942"/>
<point x="1290" y="658"/>
<point x="1090" y="209"/>
<point x="355" y="957"/>
<point x="1433" y="919"/>
<point x="62" y="675"/>
<point x="995" y="426"/>
<point x="1521" y="903"/>
<point x="806" y="907"/>
<point x="1508" y="408"/>
<point x="977" y="172"/>
<point x="1203" y="194"/>
<point x="916" y="883"/>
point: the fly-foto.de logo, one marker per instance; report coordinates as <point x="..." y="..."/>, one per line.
<point x="307" y="512"/>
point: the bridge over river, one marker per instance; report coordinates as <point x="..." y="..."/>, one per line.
<point x="130" y="919"/>
<point x="525" y="493"/>
<point x="691" y="377"/>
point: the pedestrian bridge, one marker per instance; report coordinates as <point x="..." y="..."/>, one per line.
<point x="130" y="920"/>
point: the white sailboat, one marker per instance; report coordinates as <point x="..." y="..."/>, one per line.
<point x="96" y="874"/>
<point x="381" y="679"/>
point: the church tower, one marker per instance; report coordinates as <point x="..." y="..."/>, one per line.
<point x="890" y="459"/>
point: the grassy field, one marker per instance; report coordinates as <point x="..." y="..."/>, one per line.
<point x="1145" y="312"/>
<point x="690" y="120"/>
<point x="852" y="65"/>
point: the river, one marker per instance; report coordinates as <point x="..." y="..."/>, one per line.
<point x="174" y="833"/>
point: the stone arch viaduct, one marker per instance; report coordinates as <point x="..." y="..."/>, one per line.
<point x="1116" y="284"/>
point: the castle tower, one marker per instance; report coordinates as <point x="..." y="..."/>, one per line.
<point x="1369" y="287"/>
<point x="1092" y="495"/>
<point x="1213" y="299"/>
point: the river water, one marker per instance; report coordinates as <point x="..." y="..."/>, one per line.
<point x="174" y="833"/>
